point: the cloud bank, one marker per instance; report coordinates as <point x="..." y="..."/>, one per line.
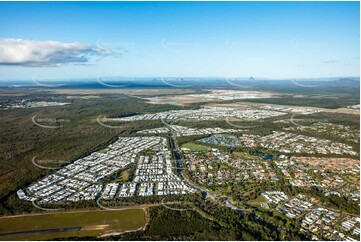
<point x="20" y="52"/>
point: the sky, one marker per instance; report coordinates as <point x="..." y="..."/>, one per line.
<point x="67" y="40"/>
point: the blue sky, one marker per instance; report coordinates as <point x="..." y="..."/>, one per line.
<point x="218" y="39"/>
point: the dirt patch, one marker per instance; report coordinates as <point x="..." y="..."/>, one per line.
<point x="343" y="110"/>
<point x="211" y="96"/>
<point x="255" y="105"/>
<point x="13" y="94"/>
<point x="95" y="227"/>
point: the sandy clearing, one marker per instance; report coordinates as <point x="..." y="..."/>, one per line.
<point x="250" y="105"/>
<point x="95" y="227"/>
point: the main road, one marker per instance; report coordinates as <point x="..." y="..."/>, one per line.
<point x="180" y="169"/>
<point x="210" y="195"/>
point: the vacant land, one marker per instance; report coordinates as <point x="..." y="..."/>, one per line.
<point x="245" y="156"/>
<point x="209" y="96"/>
<point x="51" y="236"/>
<point x="90" y="223"/>
<point x="260" y="104"/>
<point x="128" y="91"/>
<point x="195" y="147"/>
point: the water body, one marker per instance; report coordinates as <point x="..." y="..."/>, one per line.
<point x="173" y="102"/>
<point x="268" y="157"/>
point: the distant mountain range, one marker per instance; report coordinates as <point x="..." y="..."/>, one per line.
<point x="189" y="82"/>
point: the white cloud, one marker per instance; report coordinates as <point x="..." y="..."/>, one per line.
<point x="22" y="52"/>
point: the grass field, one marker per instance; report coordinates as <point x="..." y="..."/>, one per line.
<point x="124" y="175"/>
<point x="195" y="147"/>
<point x="93" y="223"/>
<point x="51" y="236"/>
<point x="244" y="155"/>
<point x="259" y="199"/>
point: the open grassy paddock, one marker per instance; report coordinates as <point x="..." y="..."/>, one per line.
<point x="195" y="147"/>
<point x="91" y="223"/>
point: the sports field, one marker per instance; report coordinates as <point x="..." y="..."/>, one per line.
<point x="195" y="147"/>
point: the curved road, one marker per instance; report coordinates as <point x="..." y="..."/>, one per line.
<point x="180" y="168"/>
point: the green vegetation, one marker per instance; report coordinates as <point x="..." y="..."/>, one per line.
<point x="130" y="219"/>
<point x="53" y="236"/>
<point x="245" y="156"/>
<point x="21" y="140"/>
<point x="195" y="147"/>
<point x="188" y="225"/>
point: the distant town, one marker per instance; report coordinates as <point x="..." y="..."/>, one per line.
<point x="152" y="164"/>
